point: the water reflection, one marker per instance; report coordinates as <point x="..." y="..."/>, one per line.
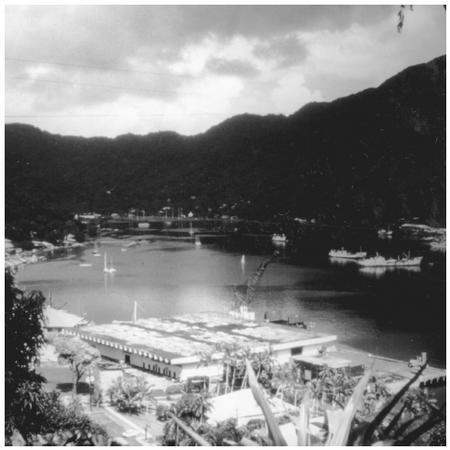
<point x="243" y="265"/>
<point x="341" y="261"/>
<point x="379" y="272"/>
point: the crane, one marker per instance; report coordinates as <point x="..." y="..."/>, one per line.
<point x="252" y="283"/>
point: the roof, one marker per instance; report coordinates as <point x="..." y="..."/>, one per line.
<point x="327" y="360"/>
<point x="58" y="318"/>
<point x="241" y="405"/>
<point x="184" y="338"/>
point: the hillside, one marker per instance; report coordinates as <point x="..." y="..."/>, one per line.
<point x="372" y="157"/>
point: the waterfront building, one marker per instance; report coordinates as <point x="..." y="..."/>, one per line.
<point x="60" y="320"/>
<point x="190" y="345"/>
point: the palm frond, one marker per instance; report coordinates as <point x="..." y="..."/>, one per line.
<point x="340" y="421"/>
<point x="377" y="421"/>
<point x="274" y="429"/>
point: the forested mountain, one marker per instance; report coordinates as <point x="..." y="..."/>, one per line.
<point x="371" y="157"/>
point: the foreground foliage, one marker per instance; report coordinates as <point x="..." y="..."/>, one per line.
<point x="34" y="416"/>
<point x="356" y="413"/>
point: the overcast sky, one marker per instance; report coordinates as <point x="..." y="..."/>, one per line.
<point x="110" y="70"/>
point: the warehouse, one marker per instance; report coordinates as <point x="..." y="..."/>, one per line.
<point x="190" y="345"/>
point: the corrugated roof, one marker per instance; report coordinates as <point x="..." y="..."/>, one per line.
<point x="194" y="334"/>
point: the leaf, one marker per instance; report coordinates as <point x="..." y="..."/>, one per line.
<point x="404" y="426"/>
<point x="274" y="430"/>
<point x="393" y="423"/>
<point x="417" y="432"/>
<point x="376" y="422"/>
<point x="340" y="421"/>
<point x="301" y="422"/>
<point x="248" y="442"/>
<point x="197" y="438"/>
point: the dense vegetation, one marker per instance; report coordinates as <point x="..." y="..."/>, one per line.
<point x="33" y="415"/>
<point x="369" y="158"/>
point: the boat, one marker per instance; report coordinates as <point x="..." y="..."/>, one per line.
<point x="279" y="238"/>
<point x="342" y="253"/>
<point x="95" y="252"/>
<point x="385" y="234"/>
<point x="438" y="245"/>
<point x="85" y="265"/>
<point x="381" y="261"/>
<point x="106" y="268"/>
<point x="125" y="247"/>
<point x="130" y="244"/>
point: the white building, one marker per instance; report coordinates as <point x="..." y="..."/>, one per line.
<point x="188" y="345"/>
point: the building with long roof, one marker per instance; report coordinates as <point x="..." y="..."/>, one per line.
<point x="189" y="345"/>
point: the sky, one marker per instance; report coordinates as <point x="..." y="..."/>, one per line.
<point x="110" y="70"/>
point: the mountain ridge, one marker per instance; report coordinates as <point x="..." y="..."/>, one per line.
<point x="368" y="158"/>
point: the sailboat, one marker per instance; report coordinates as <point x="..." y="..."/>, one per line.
<point x="85" y="265"/>
<point x="135" y="312"/>
<point x="95" y="252"/>
<point x="106" y="268"/>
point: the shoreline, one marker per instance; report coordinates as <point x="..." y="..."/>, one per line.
<point x="117" y="242"/>
<point x="15" y="257"/>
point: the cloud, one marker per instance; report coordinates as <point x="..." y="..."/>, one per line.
<point x="291" y="92"/>
<point x="346" y="61"/>
<point x="188" y="67"/>
<point x="231" y="67"/>
<point x="286" y="50"/>
<point x="109" y="35"/>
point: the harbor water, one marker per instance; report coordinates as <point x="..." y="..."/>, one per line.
<point x="396" y="313"/>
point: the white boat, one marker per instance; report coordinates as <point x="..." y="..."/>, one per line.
<point x="381" y="261"/>
<point x="95" y="252"/>
<point x="344" y="254"/>
<point x="85" y="265"/>
<point x="438" y="246"/>
<point x="382" y="233"/>
<point x="125" y="247"/>
<point x="106" y="268"/>
<point x="279" y="238"/>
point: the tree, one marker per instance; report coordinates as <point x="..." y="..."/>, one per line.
<point x="23" y="339"/>
<point x="76" y="353"/>
<point x="49" y="422"/>
<point x="129" y="394"/>
<point x="34" y="416"/>
<point x="191" y="410"/>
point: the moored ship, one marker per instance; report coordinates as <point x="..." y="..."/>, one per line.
<point x="279" y="238"/>
<point x="381" y="261"/>
<point x="342" y="253"/>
